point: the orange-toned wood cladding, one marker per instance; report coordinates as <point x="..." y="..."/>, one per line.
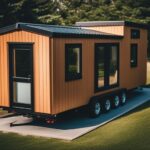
<point x="52" y="94"/>
<point x="72" y="94"/>
<point x="116" y="30"/>
<point x="133" y="77"/>
<point x="41" y="61"/>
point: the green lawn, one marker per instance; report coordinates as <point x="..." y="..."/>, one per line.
<point x="129" y="132"/>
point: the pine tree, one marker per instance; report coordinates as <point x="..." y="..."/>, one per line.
<point x="8" y="10"/>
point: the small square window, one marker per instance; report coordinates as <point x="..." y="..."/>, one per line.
<point x="135" y="34"/>
<point x="133" y="57"/>
<point x="73" y="62"/>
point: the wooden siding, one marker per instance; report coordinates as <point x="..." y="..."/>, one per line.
<point x="41" y="68"/>
<point x="116" y="30"/>
<point x="52" y="94"/>
<point x="72" y="94"/>
<point x="133" y="77"/>
<point x="75" y="93"/>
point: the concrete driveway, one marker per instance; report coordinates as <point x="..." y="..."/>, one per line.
<point x="74" y="127"/>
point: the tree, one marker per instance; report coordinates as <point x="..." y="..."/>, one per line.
<point x="8" y="9"/>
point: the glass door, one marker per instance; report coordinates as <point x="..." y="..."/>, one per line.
<point x="106" y="66"/>
<point x="21" y="75"/>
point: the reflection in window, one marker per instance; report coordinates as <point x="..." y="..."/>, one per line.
<point x="22" y="63"/>
<point x="100" y="66"/>
<point x="133" y="57"/>
<point x="73" y="61"/>
<point x="135" y="33"/>
<point x="106" y="66"/>
<point x="113" y="66"/>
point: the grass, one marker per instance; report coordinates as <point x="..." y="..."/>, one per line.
<point x="132" y="131"/>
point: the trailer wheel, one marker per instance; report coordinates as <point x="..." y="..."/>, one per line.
<point x="123" y="98"/>
<point x="94" y="108"/>
<point x="107" y="105"/>
<point x="116" y="101"/>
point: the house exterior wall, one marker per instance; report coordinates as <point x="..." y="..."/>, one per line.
<point x="115" y="30"/>
<point x="72" y="94"/>
<point x="134" y="77"/>
<point x="41" y="68"/>
<point x="52" y="94"/>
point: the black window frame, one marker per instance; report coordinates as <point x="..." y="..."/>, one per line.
<point x="134" y="64"/>
<point x="106" y="66"/>
<point x="68" y="76"/>
<point x="135" y="36"/>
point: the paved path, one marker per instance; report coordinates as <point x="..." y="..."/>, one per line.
<point x="72" y="128"/>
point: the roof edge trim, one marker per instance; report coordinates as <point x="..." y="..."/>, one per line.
<point x="24" y="26"/>
<point x="112" y="23"/>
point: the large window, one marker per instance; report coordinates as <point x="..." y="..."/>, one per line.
<point x="106" y="66"/>
<point x="73" y="62"/>
<point x="133" y="55"/>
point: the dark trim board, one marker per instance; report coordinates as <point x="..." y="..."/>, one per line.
<point x="20" y="43"/>
<point x="13" y="105"/>
<point x="88" y="36"/>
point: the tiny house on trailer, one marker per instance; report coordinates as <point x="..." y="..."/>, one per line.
<point x="48" y="69"/>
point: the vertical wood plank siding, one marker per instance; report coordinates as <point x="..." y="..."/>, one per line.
<point x="76" y="93"/>
<point x="52" y="94"/>
<point x="116" y="30"/>
<point x="133" y="77"/>
<point x="41" y="57"/>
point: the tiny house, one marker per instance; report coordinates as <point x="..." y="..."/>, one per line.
<point x="48" y="69"/>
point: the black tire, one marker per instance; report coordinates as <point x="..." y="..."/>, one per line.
<point x="116" y="101"/>
<point x="94" y="108"/>
<point x="123" y="98"/>
<point x="107" y="105"/>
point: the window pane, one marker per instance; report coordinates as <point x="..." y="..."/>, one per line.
<point x="135" y="33"/>
<point x="74" y="60"/>
<point x="113" y="66"/>
<point x="100" y="66"/>
<point x="22" y="92"/>
<point x="133" y="60"/>
<point x="22" y="66"/>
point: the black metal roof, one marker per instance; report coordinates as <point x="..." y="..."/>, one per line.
<point x="58" y="31"/>
<point x="111" y="23"/>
